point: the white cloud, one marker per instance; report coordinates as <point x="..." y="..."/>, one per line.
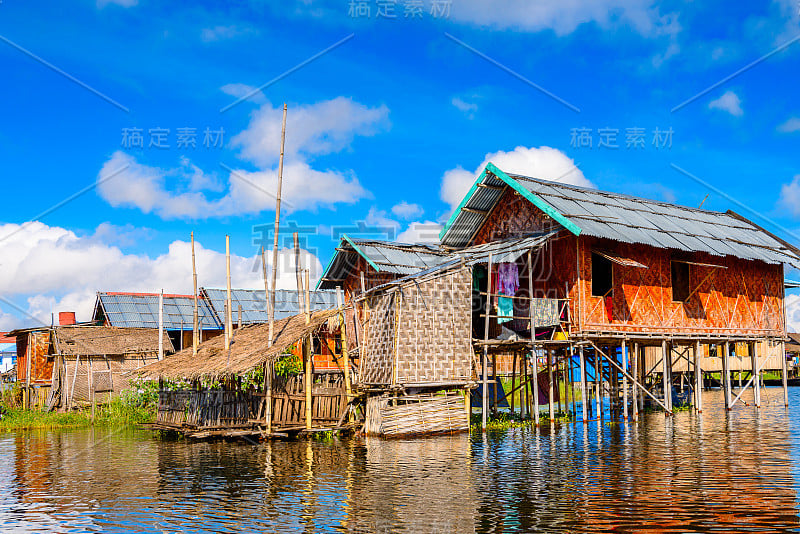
<point x="380" y="223"/>
<point x="467" y="108"/>
<point x="218" y="33"/>
<point x="544" y="162"/>
<point x="424" y="233"/>
<point x="561" y="16"/>
<point x="790" y="126"/>
<point x="789" y="200"/>
<point x="728" y="102"/>
<point x="311" y="130"/>
<point x="46" y="268"/>
<point x="123" y="3"/>
<point x="792" y="305"/>
<point x="407" y="211"/>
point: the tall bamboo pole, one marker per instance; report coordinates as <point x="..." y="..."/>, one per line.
<point x="266" y="290"/>
<point x="309" y="361"/>
<point x="195" y="318"/>
<point x="345" y="352"/>
<point x="551" y="397"/>
<point x="598" y="385"/>
<point x="300" y="293"/>
<point x="726" y="375"/>
<point x="698" y="378"/>
<point x="308" y="296"/>
<point x="635" y="374"/>
<point x="485" y="399"/>
<point x="228" y="311"/>
<point x="755" y="370"/>
<point x="534" y="359"/>
<point x="784" y="374"/>
<point x="666" y="350"/>
<point x="161" y="325"/>
<point x="277" y="225"/>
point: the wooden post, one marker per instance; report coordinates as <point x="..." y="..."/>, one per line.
<point x="551" y="396"/>
<point x="496" y="384"/>
<point x="726" y="375"/>
<point x="598" y="385"/>
<point x="641" y="376"/>
<point x="268" y="371"/>
<point x="534" y="395"/>
<point x="345" y="352"/>
<point x="784" y="374"/>
<point x="300" y="299"/>
<point x="513" y="381"/>
<point x="195" y="324"/>
<point x="485" y="399"/>
<point x="666" y="364"/>
<point x="751" y="347"/>
<point x="160" y="328"/>
<point x="571" y="382"/>
<point x="228" y="312"/>
<point x="309" y="378"/>
<point x="308" y="297"/>
<point x="624" y="381"/>
<point x="584" y="389"/>
<point x="277" y="226"/>
<point x="558" y="376"/>
<point x="239" y="318"/>
<point x="90" y="380"/>
<point x="266" y="292"/>
<point x="698" y="378"/>
<point x="635" y="373"/>
<point x="535" y="359"/>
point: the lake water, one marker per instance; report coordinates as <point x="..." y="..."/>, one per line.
<point x="688" y="473"/>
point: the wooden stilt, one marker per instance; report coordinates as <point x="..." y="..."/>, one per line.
<point x="635" y="372"/>
<point x="533" y="396"/>
<point x="784" y="374"/>
<point x="551" y="397"/>
<point x="666" y="364"/>
<point x="698" y="379"/>
<point x="598" y="385"/>
<point x="726" y="375"/>
<point x="558" y="376"/>
<point x="524" y="405"/>
<point x="751" y="348"/>
<point x="513" y="380"/>
<point x="584" y="389"/>
<point x="268" y="370"/>
<point x="624" y="381"/>
<point x="485" y="400"/>
<point x="309" y="379"/>
<point x="496" y="384"/>
<point x="570" y="379"/>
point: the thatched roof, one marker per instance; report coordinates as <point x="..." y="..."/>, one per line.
<point x="99" y="340"/>
<point x="249" y="349"/>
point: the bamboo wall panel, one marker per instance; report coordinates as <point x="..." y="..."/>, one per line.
<point x="416" y="414"/>
<point x="377" y="353"/>
<point x="434" y="330"/>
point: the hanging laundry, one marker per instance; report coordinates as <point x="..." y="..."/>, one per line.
<point x="505" y="309"/>
<point x="508" y="279"/>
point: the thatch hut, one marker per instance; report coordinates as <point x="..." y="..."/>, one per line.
<point x="239" y="404"/>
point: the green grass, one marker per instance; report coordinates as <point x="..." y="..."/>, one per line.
<point x="506" y="420"/>
<point x="131" y="407"/>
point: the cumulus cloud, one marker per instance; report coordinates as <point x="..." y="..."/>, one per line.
<point x="560" y="16"/>
<point x="790" y="126"/>
<point x="123" y="3"/>
<point x="467" y="108"/>
<point x="789" y="200"/>
<point x="728" y="102"/>
<point x="48" y="268"/>
<point x="219" y="33"/>
<point x="792" y="304"/>
<point x="312" y="130"/>
<point x="407" y="211"/>
<point x="421" y="232"/>
<point x="240" y="90"/>
<point x="544" y="162"/>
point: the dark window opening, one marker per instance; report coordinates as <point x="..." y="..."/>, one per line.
<point x="316" y="346"/>
<point x="680" y="281"/>
<point x="602" y="276"/>
<point x="337" y="345"/>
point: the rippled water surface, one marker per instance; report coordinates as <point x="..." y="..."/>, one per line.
<point x="689" y="473"/>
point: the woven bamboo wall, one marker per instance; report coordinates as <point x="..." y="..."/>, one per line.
<point x="377" y="354"/>
<point x="109" y="374"/>
<point x="434" y="330"/>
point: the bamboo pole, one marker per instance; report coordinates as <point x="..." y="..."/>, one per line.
<point x="513" y="380"/>
<point x="584" y="389"/>
<point x="496" y="384"/>
<point x="534" y="359"/>
<point x="726" y="375"/>
<point x="551" y="396"/>
<point x="667" y="367"/>
<point x="598" y="384"/>
<point x="345" y="352"/>
<point x="755" y="372"/>
<point x="268" y="371"/>
<point x="277" y="226"/>
<point x="784" y="374"/>
<point x="635" y="372"/>
<point x="485" y="399"/>
<point x="300" y="306"/>
<point x="308" y="296"/>
<point x="266" y="290"/>
<point x="524" y="400"/>
<point x="534" y="395"/>
<point x="571" y="382"/>
<point x="624" y="381"/>
<point x="239" y="319"/>
<point x="195" y="322"/>
<point x="160" y="325"/>
<point x="698" y="378"/>
<point x="309" y="362"/>
<point x="228" y="311"/>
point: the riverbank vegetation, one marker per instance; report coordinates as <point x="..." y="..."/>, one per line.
<point x="133" y="406"/>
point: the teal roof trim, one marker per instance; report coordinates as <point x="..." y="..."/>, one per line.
<point x="535" y="200"/>
<point x="355" y="247"/>
<point x="327" y="269"/>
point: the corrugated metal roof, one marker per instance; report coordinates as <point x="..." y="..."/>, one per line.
<point x="628" y="219"/>
<point x="386" y="256"/>
<point x="506" y="251"/>
<point x="140" y="310"/>
<point x="254" y="304"/>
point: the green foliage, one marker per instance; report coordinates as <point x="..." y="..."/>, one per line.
<point x="288" y="364"/>
<point x="11" y="397"/>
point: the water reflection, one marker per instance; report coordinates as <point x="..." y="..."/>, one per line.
<point x="690" y="473"/>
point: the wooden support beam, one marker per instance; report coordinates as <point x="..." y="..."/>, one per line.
<point x="747" y="385"/>
<point x="624" y="381"/>
<point x="784" y="374"/>
<point x="551" y="397"/>
<point x="698" y="379"/>
<point x="570" y="382"/>
<point x="667" y="375"/>
<point x="726" y="375"/>
<point x="584" y="389"/>
<point x="473" y="210"/>
<point x="635" y="369"/>
<point x="485" y="400"/>
<point x="492" y="187"/>
<point x="598" y="383"/>
<point x="751" y="348"/>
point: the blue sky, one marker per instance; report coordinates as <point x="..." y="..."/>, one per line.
<point x="386" y="128"/>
